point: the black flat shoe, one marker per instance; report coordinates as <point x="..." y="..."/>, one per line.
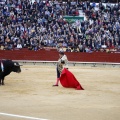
<point x="55" y="85"/>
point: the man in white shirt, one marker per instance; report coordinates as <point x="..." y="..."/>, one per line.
<point x="19" y="46"/>
<point x="62" y="63"/>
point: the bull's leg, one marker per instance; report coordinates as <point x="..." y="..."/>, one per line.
<point x="3" y="81"/>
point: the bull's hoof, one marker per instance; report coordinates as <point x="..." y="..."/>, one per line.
<point x="2" y="84"/>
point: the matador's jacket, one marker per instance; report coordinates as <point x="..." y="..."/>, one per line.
<point x="62" y="63"/>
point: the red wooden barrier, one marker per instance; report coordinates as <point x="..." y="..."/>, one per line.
<point x="52" y="55"/>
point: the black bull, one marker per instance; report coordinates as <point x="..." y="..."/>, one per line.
<point x="6" y="67"/>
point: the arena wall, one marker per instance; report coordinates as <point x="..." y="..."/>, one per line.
<point x="52" y="55"/>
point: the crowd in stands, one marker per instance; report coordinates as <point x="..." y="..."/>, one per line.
<point x="40" y="24"/>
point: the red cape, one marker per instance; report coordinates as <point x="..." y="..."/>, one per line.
<point x="68" y="80"/>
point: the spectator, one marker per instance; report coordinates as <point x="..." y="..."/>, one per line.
<point x="19" y="45"/>
<point x="25" y="21"/>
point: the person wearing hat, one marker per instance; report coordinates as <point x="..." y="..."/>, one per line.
<point x="62" y="63"/>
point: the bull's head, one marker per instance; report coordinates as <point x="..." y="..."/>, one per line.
<point x="16" y="67"/>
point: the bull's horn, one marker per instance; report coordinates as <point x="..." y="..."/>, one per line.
<point x="20" y="65"/>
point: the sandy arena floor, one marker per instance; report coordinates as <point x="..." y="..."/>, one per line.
<point x="30" y="95"/>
